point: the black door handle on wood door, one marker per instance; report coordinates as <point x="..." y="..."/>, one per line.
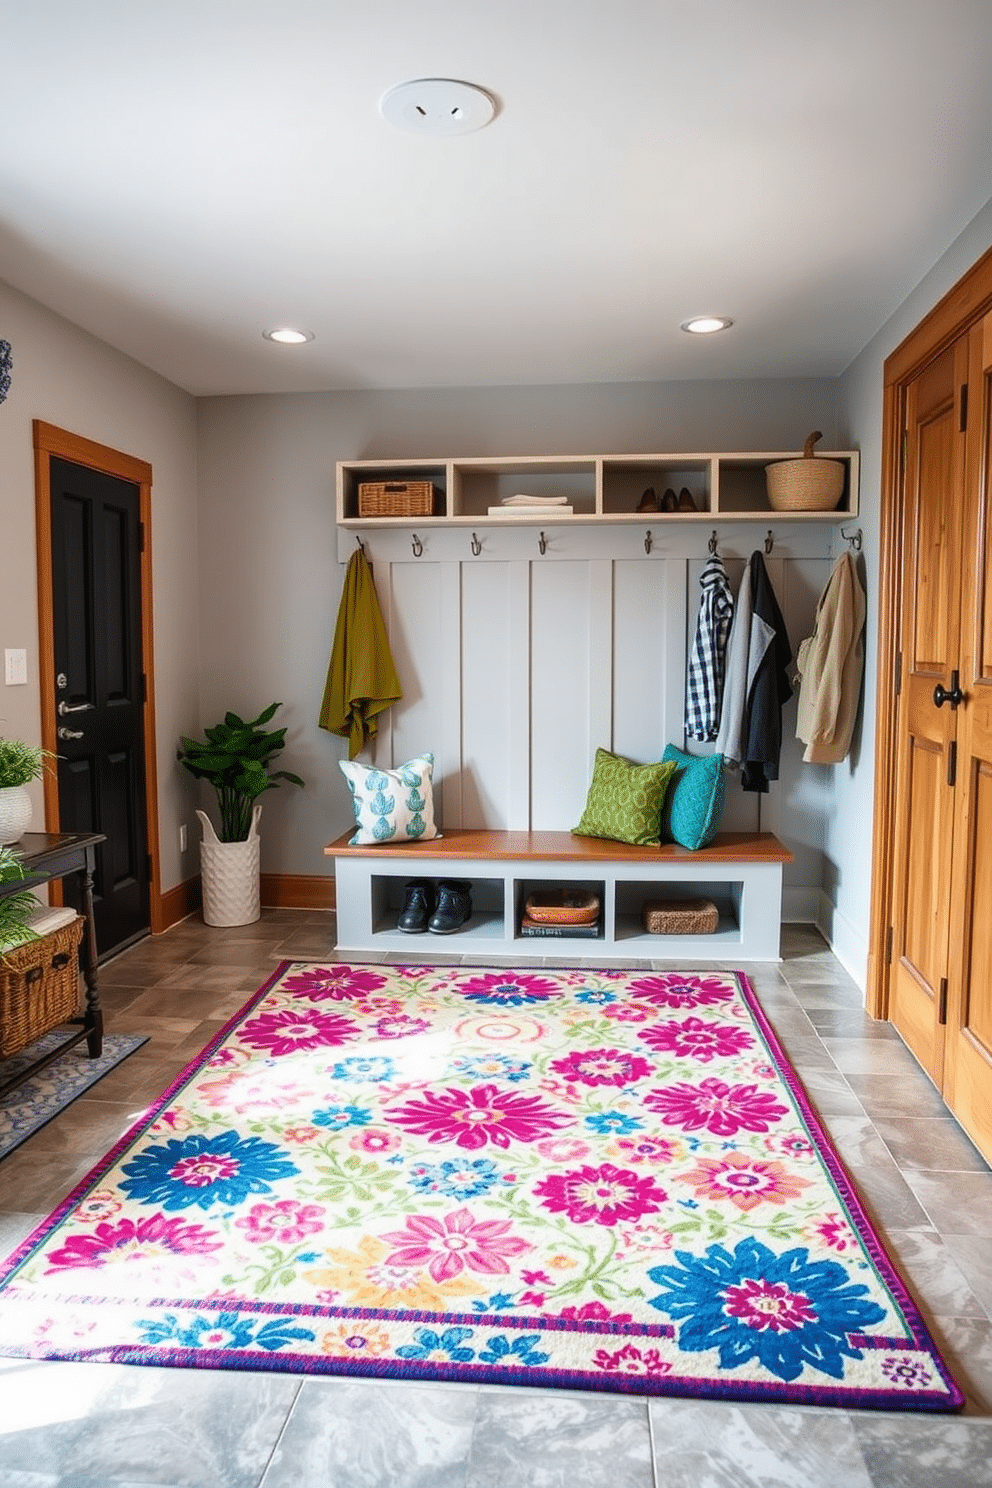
<point x="954" y="695"/>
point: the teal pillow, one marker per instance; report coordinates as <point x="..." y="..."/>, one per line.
<point x="694" y="802"/>
<point x="624" y="800"/>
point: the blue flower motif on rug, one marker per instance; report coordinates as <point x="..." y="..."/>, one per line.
<point x="784" y="1310"/>
<point x="432" y="1345"/>
<point x="200" y="1170"/>
<point x="225" y="1330"/>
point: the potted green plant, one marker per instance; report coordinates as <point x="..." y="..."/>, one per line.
<point x="20" y="763"/>
<point x="235" y="758"/>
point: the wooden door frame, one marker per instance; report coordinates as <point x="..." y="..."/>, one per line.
<point x="51" y="441"/>
<point x="963" y="305"/>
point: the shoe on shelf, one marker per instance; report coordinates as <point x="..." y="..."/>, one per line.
<point x="418" y="906"/>
<point x="454" y="906"/>
<point x="669" y="502"/>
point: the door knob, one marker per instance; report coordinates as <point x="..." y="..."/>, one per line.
<point x="65" y="707"/>
<point x="942" y="695"/>
<point x="68" y="733"/>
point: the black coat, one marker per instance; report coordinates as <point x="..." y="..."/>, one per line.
<point x="769" y="688"/>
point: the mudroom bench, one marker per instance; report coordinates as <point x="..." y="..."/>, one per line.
<point x="740" y="872"/>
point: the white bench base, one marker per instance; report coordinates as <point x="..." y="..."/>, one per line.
<point x="741" y="873"/>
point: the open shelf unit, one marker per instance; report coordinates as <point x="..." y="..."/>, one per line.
<point x="599" y="488"/>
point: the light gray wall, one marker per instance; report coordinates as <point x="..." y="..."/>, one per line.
<point x="270" y="579"/>
<point x="847" y="867"/>
<point x="70" y="379"/>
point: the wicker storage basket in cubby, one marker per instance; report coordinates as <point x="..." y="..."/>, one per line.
<point x="39" y="987"/>
<point x="680" y="917"/>
<point x="396" y="499"/>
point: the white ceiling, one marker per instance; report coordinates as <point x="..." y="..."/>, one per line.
<point x="177" y="176"/>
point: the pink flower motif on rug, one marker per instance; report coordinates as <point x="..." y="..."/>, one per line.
<point x="630" y="1360"/>
<point x="287" y="1031"/>
<point x="335" y="982"/>
<point x="602" y="1067"/>
<point x="715" y="1106"/>
<point x="594" y="1312"/>
<point x="604" y="1195"/>
<point x="676" y="990"/>
<point x="746" y="1181"/>
<point x="696" y="1039"/>
<point x="135" y="1241"/>
<point x="446" y="1247"/>
<point x="288" y="1221"/>
<point x="471" y="1118"/>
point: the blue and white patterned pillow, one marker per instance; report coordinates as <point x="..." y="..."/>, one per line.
<point x="392" y="805"/>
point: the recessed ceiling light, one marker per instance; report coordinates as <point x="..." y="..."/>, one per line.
<point x="437" y="106"/>
<point x="705" y="325"/>
<point x="287" y="336"/>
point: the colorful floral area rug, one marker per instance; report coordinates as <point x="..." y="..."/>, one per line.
<point x="607" y="1180"/>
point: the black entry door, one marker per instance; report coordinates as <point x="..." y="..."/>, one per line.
<point x="96" y="585"/>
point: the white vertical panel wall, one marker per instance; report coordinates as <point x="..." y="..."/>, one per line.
<point x="516" y="665"/>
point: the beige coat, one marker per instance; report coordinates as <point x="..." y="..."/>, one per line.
<point x="829" y="667"/>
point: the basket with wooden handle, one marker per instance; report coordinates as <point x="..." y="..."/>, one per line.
<point x="808" y="484"/>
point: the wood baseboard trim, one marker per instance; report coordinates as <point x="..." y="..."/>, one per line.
<point x="298" y="891"/>
<point x="277" y="891"/>
<point x="175" y="904"/>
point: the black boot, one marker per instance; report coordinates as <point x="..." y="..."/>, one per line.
<point x="417" y="907"/>
<point x="454" y="906"/>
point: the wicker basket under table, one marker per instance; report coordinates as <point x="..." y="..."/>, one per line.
<point x="396" y="499"/>
<point x="39" y="987"/>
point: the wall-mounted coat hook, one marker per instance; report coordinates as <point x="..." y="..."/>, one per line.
<point x="854" y="538"/>
<point x="417" y="545"/>
<point x="542" y="543"/>
<point x="769" y="541"/>
<point x="648" y="541"/>
<point x="476" y="545"/>
<point x="712" y="542"/>
<point x="361" y="545"/>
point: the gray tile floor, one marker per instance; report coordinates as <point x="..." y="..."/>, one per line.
<point x="107" y="1426"/>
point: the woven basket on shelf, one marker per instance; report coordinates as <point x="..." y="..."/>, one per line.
<point x="680" y="917"/>
<point x="39" y="987"/>
<point x="562" y="907"/>
<point x="807" y="484"/>
<point x="396" y="499"/>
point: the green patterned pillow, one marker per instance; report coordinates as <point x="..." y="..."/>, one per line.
<point x="392" y="805"/>
<point x="624" y="800"/>
<point x="694" y="805"/>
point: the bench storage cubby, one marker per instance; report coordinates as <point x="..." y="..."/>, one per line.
<point x="741" y="872"/>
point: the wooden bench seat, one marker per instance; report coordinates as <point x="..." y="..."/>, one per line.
<point x="740" y="871"/>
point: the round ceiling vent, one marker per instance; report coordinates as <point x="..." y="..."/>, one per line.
<point x="437" y="106"/>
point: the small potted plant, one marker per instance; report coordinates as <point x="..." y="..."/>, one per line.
<point x="236" y="759"/>
<point x="19" y="764"/>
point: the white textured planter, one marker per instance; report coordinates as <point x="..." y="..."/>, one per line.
<point x="229" y="875"/>
<point x="15" y="813"/>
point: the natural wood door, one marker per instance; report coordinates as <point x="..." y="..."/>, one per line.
<point x="967" y="1080"/>
<point x="930" y="639"/>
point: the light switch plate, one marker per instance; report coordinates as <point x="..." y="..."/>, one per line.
<point x="15" y="668"/>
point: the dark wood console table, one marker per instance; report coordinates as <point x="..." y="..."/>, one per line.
<point x="54" y="855"/>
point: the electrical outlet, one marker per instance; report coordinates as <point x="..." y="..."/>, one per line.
<point x="182" y="838"/>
